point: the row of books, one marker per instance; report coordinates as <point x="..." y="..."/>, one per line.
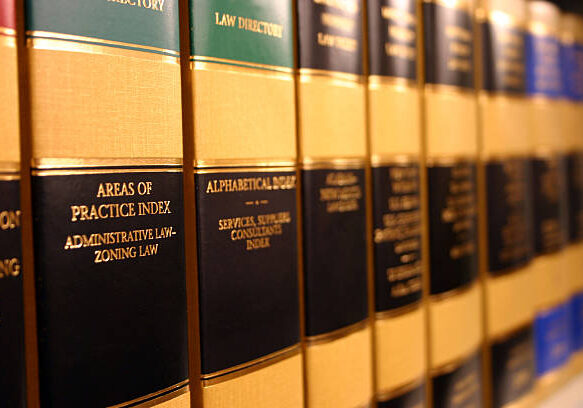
<point x="277" y="203"/>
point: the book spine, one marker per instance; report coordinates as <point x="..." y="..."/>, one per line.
<point x="572" y="69"/>
<point x="506" y="206"/>
<point x="394" y="124"/>
<point x="332" y="155"/>
<point x="12" y="381"/>
<point x="242" y="61"/>
<point x="549" y="192"/>
<point x="104" y="85"/>
<point x="450" y="148"/>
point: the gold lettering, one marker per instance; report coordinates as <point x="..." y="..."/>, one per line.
<point x="337" y="41"/>
<point x="9" y="267"/>
<point x="9" y="219"/>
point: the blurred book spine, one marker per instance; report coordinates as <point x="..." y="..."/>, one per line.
<point x="332" y="150"/>
<point x="394" y="125"/>
<point x="549" y="193"/>
<point x="451" y="152"/>
<point x="506" y="207"/>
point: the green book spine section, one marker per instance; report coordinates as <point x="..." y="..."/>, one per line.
<point x="12" y="381"/>
<point x="241" y="63"/>
<point x="451" y="162"/>
<point x="394" y="139"/>
<point x="106" y="166"/>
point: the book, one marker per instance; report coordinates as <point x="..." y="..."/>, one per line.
<point x="394" y="125"/>
<point x="12" y="364"/>
<point x="242" y="60"/>
<point x="506" y="207"/>
<point x="451" y="153"/>
<point x="572" y="72"/>
<point x="332" y="153"/>
<point x="106" y="166"/>
<point x="549" y="193"/>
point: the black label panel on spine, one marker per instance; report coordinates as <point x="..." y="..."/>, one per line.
<point x="510" y="243"/>
<point x="111" y="295"/>
<point x="335" y="255"/>
<point x="461" y="387"/>
<point x="330" y="35"/>
<point x="550" y="203"/>
<point x="12" y="379"/>
<point x="396" y="235"/>
<point x="414" y="398"/>
<point x="503" y="58"/>
<point x="247" y="265"/>
<point x="575" y="192"/>
<point x="513" y="373"/>
<point x="448" y="39"/>
<point x="393" y="38"/>
<point x="453" y="226"/>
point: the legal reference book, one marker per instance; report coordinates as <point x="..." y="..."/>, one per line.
<point x="506" y="207"/>
<point x="549" y="193"/>
<point x="451" y="152"/>
<point x="242" y="60"/>
<point x="394" y="126"/>
<point x="332" y="151"/>
<point x="12" y="366"/>
<point x="572" y="119"/>
<point x="104" y="85"/>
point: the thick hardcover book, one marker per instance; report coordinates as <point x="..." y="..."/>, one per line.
<point x="549" y="192"/>
<point x="242" y="61"/>
<point x="506" y="204"/>
<point x="12" y="366"/>
<point x="450" y="131"/>
<point x="394" y="124"/>
<point x="572" y="119"/>
<point x="105" y="112"/>
<point x="332" y="155"/>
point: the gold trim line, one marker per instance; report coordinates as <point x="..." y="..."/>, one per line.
<point x="336" y="164"/>
<point x="455" y="364"/>
<point x="509" y="333"/>
<point x="9" y="167"/>
<point x="250" y="366"/>
<point x="246" y="170"/>
<point x="73" y="172"/>
<point x="337" y="334"/>
<point x="47" y="35"/>
<point x="284" y="162"/>
<point x="68" y="163"/>
<point x="9" y="177"/>
<point x="400" y="311"/>
<point x="344" y="76"/>
<point x="242" y="64"/>
<point x="7" y="31"/>
<point x="397" y="160"/>
<point x="380" y="81"/>
<point x="438" y="297"/>
<point x="382" y="396"/>
<point x="451" y="89"/>
<point x="181" y="386"/>
<point x="451" y="160"/>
